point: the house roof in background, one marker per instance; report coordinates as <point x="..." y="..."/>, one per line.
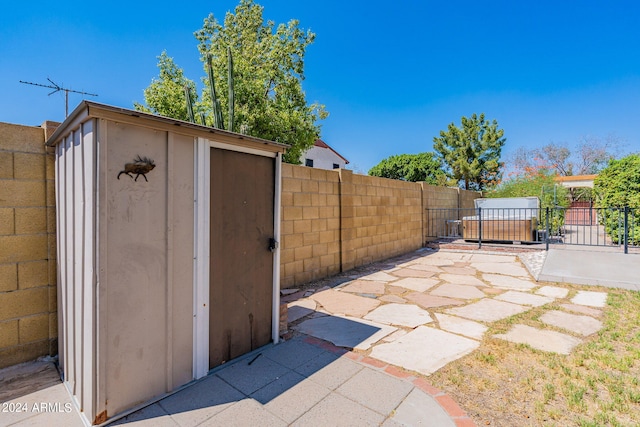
<point x="320" y="143"/>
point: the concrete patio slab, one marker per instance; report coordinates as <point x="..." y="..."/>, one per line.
<point x="544" y="340"/>
<point x="487" y="310"/>
<point x="461" y="326"/>
<point x="159" y="416"/>
<point x="458" y="291"/>
<point x="197" y="403"/>
<point x="328" y="370"/>
<point x="553" y="291"/>
<point x="590" y="298"/>
<point x="246" y="412"/>
<point x="348" y="332"/>
<point x="583" y="325"/>
<point x="337" y="302"/>
<point x="593" y="312"/>
<point x="508" y="282"/>
<point x="290" y="396"/>
<point x="431" y="301"/>
<point x="339" y="411"/>
<point x="508" y="269"/>
<point x="591" y="267"/>
<point x="461" y="279"/>
<point x="292" y="353"/>
<point x="412" y="272"/>
<point x="419" y="409"/>
<point x="250" y="378"/>
<point x="407" y="315"/>
<point x="416" y="283"/>
<point x="524" y="298"/>
<point x="424" y="350"/>
<point x="364" y="287"/>
<point x="375" y="390"/>
<point x="298" y="309"/>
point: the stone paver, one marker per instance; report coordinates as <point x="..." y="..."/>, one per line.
<point x="590" y="298"/>
<point x="407" y="315"/>
<point x="348" y="332"/>
<point x="508" y="269"/>
<point x="431" y="301"/>
<point x="583" y="325"/>
<point x="344" y="303"/>
<point x="425" y="267"/>
<point x="416" y="283"/>
<point x="364" y="287"/>
<point x="458" y="291"/>
<point x="459" y="270"/>
<point x="435" y="261"/>
<point x="544" y="340"/>
<point x="461" y="326"/>
<point x="424" y="349"/>
<point x="409" y="272"/>
<point x="461" y="279"/>
<point x="593" y="312"/>
<point x="524" y="298"/>
<point x="392" y="298"/>
<point x="508" y="282"/>
<point x="553" y="291"/>
<point x="487" y="310"/>
<point x="298" y="309"/>
<point x="491" y="258"/>
<point x="380" y="276"/>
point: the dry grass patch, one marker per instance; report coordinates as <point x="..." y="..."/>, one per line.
<point x="598" y="384"/>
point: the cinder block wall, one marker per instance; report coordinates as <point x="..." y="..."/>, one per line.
<point x="333" y="220"/>
<point x="28" y="321"/>
<point x="310" y="224"/>
<point x="381" y="218"/>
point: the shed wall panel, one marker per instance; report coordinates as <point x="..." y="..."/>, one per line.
<point x="136" y="261"/>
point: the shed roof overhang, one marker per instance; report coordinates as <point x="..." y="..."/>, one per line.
<point x="87" y="110"/>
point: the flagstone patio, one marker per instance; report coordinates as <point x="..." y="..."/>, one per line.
<point x="429" y="308"/>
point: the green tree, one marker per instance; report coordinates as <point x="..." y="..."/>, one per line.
<point x="472" y="152"/>
<point x="165" y="95"/>
<point x="411" y="167"/>
<point x="617" y="186"/>
<point x="268" y="69"/>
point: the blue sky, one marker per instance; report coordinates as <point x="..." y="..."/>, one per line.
<point x="391" y="74"/>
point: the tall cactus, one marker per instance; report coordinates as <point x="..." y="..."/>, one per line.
<point x="217" y="112"/>
<point x="231" y="90"/>
<point x="187" y="95"/>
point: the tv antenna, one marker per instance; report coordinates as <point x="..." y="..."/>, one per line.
<point x="57" y="88"/>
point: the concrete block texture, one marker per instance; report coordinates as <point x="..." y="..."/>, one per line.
<point x="28" y="300"/>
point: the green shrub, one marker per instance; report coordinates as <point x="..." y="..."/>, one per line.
<point x="617" y="186"/>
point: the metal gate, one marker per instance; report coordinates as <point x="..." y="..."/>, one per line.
<point x="578" y="225"/>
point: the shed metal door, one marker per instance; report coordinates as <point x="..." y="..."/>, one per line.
<point x="241" y="264"/>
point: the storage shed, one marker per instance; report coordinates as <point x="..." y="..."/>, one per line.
<point x="167" y="253"/>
